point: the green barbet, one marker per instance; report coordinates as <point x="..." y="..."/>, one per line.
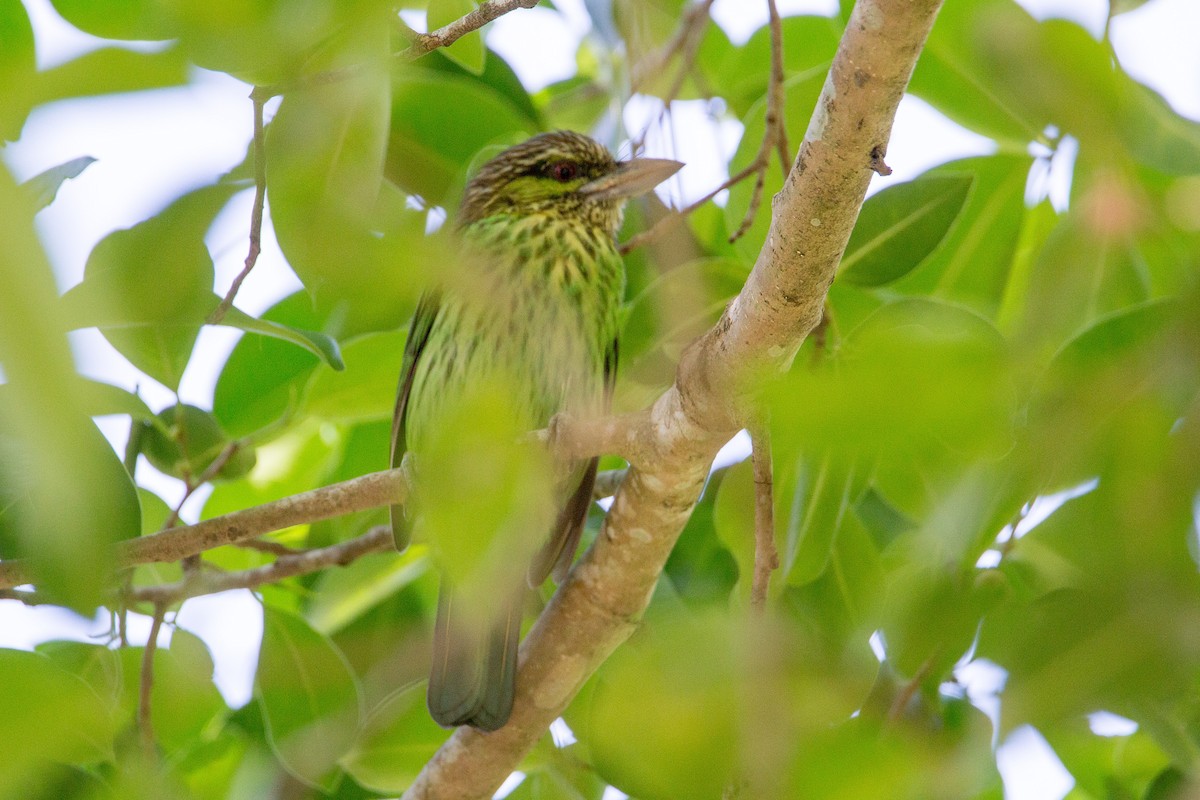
<point x="534" y="305"/>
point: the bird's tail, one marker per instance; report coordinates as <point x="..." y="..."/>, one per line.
<point x="474" y="670"/>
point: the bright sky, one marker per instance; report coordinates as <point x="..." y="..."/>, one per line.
<point x="152" y="146"/>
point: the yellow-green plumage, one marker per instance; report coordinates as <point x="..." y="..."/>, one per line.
<point x="537" y="228"/>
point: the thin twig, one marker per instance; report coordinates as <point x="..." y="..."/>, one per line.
<point x="449" y="34"/>
<point x="775" y="129"/>
<point x="774" y="140"/>
<point x="658" y="228"/>
<point x="684" y="43"/>
<point x="766" y="557"/>
<point x="145" y="724"/>
<point x="376" y="540"/>
<point x="259" y="99"/>
<point x="909" y="690"/>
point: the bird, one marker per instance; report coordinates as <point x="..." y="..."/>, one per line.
<point x="537" y="301"/>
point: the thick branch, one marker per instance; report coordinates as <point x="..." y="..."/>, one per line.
<point x="760" y="332"/>
<point x="369" y="491"/>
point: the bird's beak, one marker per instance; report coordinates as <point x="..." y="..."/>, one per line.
<point x="631" y="178"/>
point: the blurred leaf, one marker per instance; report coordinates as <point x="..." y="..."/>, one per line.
<point x="274" y="42"/>
<point x="75" y="496"/>
<point x="45" y="184"/>
<point x="398" y="739"/>
<point x="263" y="378"/>
<point x="111" y="70"/>
<point x="1155" y="134"/>
<point x="48" y="716"/>
<point x="321" y="345"/>
<point x="348" y="236"/>
<point x="468" y="50"/>
<point x="100" y="399"/>
<point x="18" y="65"/>
<point x="117" y="19"/>
<point x="189" y="440"/>
<point x="439" y="123"/>
<point x="309" y="697"/>
<point x="701" y="567"/>
<point x="899" y="227"/>
<point x="663" y="713"/>
<point x="672" y="310"/>
<point x="345" y="594"/>
<point x="366" y="389"/>
<point x="955" y="77"/>
<point x="148" y="288"/>
<point x="973" y="262"/>
<point x="1121" y="6"/>
<point x="809" y="43"/>
<point x="822" y="492"/>
<point x="921" y="387"/>
<point x="1106" y="766"/>
<point x="185" y="700"/>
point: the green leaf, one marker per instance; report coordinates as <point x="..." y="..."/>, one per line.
<point x="100" y="399"/>
<point x="344" y="595"/>
<point x="45" y="184"/>
<point x="111" y="70"/>
<point x="348" y="235"/>
<point x="664" y="711"/>
<point x="955" y="77"/>
<point x="1155" y="134"/>
<point x="309" y="697"/>
<point x="187" y="440"/>
<point x="972" y="264"/>
<point x="321" y="345"/>
<point x="366" y="389"/>
<point x="69" y="544"/>
<point x="117" y="19"/>
<point x="185" y="701"/>
<point x="809" y="42"/>
<point x="52" y="450"/>
<point x="702" y="565"/>
<point x="899" y="227"/>
<point x="273" y="42"/>
<point x="149" y="288"/>
<point x="822" y="491"/>
<point x="263" y="378"/>
<point x="468" y="50"/>
<point x="439" y="124"/>
<point x="18" y="65"/>
<point x="47" y="716"/>
<point x="398" y="739"/>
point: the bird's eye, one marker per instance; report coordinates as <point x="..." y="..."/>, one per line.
<point x="564" y="171"/>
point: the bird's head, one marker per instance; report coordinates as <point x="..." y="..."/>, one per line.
<point x="565" y="174"/>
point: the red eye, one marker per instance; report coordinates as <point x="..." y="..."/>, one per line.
<point x="564" y="171"/>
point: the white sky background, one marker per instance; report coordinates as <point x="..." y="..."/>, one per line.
<point x="150" y="147"/>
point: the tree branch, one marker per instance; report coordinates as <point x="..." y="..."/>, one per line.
<point x="766" y="557"/>
<point x="369" y="491"/>
<point x="259" y="98"/>
<point x="449" y="34"/>
<point x="376" y="540"/>
<point x="759" y="334"/>
<point x="145" y="723"/>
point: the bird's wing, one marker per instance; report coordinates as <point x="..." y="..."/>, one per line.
<point x="418" y="335"/>
<point x="556" y="555"/>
